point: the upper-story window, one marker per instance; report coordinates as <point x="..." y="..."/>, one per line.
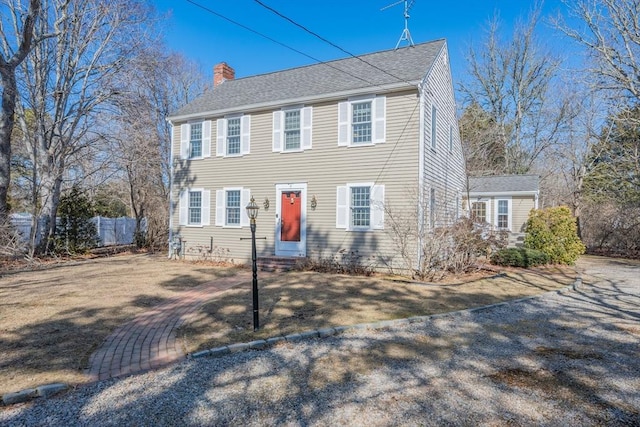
<point x="233" y="136"/>
<point x="195" y="140"/>
<point x="292" y="129"/>
<point x="362" y="121"/>
<point x="434" y="127"/>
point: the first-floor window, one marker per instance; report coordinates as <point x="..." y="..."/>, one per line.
<point x="503" y="214"/>
<point x="233" y="207"/>
<point x="432" y="208"/>
<point x="360" y="207"/>
<point x="479" y="211"/>
<point x="195" y="207"/>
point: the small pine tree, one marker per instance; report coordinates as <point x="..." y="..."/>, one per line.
<point x="75" y="233"/>
<point x="554" y="232"/>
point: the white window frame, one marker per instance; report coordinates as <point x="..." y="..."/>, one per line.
<point x="432" y="208"/>
<point x="245" y="135"/>
<point x="376" y="206"/>
<point x="378" y="121"/>
<point x="221" y="207"/>
<point x="184" y="208"/>
<point x="185" y="140"/>
<point x="509" y="213"/>
<point x="306" y="125"/>
<point x="434" y="127"/>
<point x="487" y="212"/>
<point x="450" y="138"/>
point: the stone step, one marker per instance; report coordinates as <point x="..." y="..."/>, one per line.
<point x="276" y="264"/>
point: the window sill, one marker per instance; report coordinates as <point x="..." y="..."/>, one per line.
<point x="194" y="225"/>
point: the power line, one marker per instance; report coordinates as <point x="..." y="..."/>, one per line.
<point x="269" y="8"/>
<point x="219" y="15"/>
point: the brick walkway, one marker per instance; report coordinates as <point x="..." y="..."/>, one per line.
<point x="149" y="340"/>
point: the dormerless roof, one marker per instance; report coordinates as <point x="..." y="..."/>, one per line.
<point x="504" y="183"/>
<point x="405" y="66"/>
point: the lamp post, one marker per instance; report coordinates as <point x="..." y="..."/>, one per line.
<point x="252" y="212"/>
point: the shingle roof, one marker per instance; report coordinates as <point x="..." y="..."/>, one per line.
<point x="504" y="183"/>
<point x="407" y="64"/>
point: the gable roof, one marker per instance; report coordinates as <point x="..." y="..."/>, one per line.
<point x="385" y="70"/>
<point x="504" y="184"/>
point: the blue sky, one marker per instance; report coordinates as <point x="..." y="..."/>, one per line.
<point x="357" y="26"/>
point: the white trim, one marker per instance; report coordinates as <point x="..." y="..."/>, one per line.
<point x="503" y="193"/>
<point x="221" y="207"/>
<point x="421" y="172"/>
<point x="509" y="213"/>
<point x="291" y="248"/>
<point x="378" y="121"/>
<point x="326" y="97"/>
<point x="184" y="207"/>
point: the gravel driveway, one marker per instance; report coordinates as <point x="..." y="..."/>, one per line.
<point x="559" y="359"/>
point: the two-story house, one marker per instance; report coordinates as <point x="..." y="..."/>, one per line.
<point x="331" y="152"/>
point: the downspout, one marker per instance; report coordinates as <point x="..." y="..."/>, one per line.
<point x="169" y="253"/>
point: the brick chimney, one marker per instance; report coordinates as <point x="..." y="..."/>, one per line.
<point x="221" y="73"/>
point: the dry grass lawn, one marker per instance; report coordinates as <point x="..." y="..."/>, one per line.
<point x="52" y="319"/>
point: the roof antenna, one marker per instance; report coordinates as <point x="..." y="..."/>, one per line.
<point x="406" y="35"/>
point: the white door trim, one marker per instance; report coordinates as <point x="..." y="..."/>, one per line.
<point x="293" y="249"/>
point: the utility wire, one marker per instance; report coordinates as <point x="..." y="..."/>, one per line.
<point x="286" y="18"/>
<point x="219" y="15"/>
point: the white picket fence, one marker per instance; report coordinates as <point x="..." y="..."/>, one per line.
<point x="111" y="231"/>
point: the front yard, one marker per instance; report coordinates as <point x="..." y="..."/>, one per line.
<point x="52" y="319"/>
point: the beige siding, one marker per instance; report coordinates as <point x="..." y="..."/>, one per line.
<point x="521" y="205"/>
<point x="443" y="168"/>
<point x="323" y="168"/>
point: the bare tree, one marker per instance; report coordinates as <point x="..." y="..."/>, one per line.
<point x="68" y="81"/>
<point x="512" y="84"/>
<point x="11" y="56"/>
<point x="609" y="31"/>
<point x="155" y="86"/>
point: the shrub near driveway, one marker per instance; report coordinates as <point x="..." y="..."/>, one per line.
<point x="52" y="320"/>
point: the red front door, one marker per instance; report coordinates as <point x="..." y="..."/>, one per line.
<point x="290" y="222"/>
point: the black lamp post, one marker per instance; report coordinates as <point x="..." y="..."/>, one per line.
<point x="252" y="212"/>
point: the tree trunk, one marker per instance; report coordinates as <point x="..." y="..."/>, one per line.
<point x="7" y="113"/>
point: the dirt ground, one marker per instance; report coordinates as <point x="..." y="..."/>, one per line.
<point x="53" y="318"/>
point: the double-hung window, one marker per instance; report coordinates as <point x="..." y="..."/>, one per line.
<point x="230" y="207"/>
<point x="233" y="208"/>
<point x="502" y="214"/>
<point x="292" y="130"/>
<point x="362" y="121"/>
<point x="194" y="207"/>
<point x="233" y="136"/>
<point x="195" y="140"/>
<point x="434" y="127"/>
<point x="360" y="207"/>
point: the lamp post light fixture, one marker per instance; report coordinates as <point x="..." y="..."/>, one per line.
<point x="252" y="212"/>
